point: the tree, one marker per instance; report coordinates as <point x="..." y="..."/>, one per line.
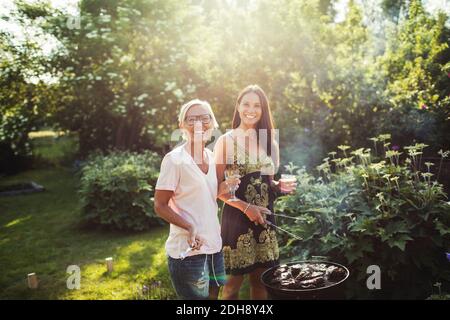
<point x="415" y="69"/>
<point x="123" y="72"/>
<point x="25" y="98"/>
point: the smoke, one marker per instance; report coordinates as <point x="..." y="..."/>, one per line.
<point x="302" y="148"/>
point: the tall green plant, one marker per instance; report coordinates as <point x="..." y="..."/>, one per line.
<point x="365" y="209"/>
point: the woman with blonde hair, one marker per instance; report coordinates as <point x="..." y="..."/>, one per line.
<point x="185" y="196"/>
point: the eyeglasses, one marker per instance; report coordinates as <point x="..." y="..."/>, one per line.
<point x="205" y="119"/>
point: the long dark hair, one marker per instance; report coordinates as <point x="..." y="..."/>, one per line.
<point x="266" y="121"/>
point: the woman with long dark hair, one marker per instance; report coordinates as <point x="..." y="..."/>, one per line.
<point x="249" y="242"/>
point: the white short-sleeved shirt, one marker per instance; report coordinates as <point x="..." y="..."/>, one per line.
<point x="194" y="199"/>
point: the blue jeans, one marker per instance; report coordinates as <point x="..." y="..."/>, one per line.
<point x="193" y="276"/>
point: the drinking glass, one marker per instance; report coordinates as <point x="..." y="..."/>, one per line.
<point x="232" y="173"/>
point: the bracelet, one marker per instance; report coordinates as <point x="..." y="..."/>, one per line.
<point x="246" y="208"/>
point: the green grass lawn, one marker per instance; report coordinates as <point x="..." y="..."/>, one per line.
<point x="53" y="150"/>
<point x="40" y="233"/>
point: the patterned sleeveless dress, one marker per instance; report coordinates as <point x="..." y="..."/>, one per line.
<point x="247" y="246"/>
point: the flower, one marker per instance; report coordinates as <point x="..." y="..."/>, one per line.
<point x="395" y="147"/>
<point x="448" y="256"/>
<point x="424" y="107"/>
<point x="155" y="284"/>
<point x="343" y="147"/>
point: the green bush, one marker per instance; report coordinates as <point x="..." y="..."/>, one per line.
<point x="117" y="190"/>
<point x="367" y="209"/>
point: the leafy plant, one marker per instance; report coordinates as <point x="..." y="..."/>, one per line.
<point x="117" y="190"/>
<point x="365" y="210"/>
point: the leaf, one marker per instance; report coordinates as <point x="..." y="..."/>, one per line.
<point x="443" y="229"/>
<point x="352" y="255"/>
<point x="396" y="227"/>
<point x="399" y="241"/>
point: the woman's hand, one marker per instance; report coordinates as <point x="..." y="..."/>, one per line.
<point x="276" y="186"/>
<point x="224" y="186"/>
<point x="256" y="214"/>
<point x="194" y="240"/>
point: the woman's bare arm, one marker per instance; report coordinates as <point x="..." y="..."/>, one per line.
<point x="254" y="213"/>
<point x="162" y="209"/>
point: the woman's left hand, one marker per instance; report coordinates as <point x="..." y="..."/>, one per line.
<point x="224" y="186"/>
<point x="276" y="186"/>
